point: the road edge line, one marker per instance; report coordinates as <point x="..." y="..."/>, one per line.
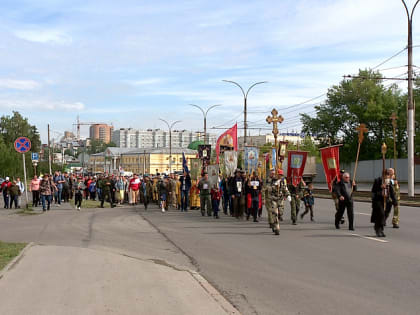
<point x="15" y="260"/>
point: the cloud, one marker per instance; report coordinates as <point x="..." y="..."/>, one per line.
<point x="19" y="84"/>
<point x="146" y="81"/>
<point x="44" y="36"/>
<point x="40" y="105"/>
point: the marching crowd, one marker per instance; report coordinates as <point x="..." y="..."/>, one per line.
<point x="241" y="195"/>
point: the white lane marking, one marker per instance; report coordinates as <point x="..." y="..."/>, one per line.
<point x="362" y="213"/>
<point x="370" y="238"/>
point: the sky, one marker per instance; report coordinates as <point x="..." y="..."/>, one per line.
<point x="131" y="62"/>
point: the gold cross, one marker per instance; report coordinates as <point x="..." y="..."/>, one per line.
<point x="274" y="119"/>
<point x="362" y="130"/>
<point x="394" y="118"/>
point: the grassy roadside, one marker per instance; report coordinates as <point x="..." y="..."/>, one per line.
<point x="8" y="251"/>
<point x="92" y="204"/>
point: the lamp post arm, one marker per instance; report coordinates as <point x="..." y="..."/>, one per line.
<point x="262" y="82"/>
<point x="198" y="108"/>
<point x="237" y="84"/>
<point x="211" y="108"/>
<point x="412" y="11"/>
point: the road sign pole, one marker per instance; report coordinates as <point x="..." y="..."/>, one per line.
<point x="24" y="174"/>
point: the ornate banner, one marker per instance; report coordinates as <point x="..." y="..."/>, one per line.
<point x="331" y="162"/>
<point x="282" y="150"/>
<point x="231" y="162"/>
<point x="251" y="159"/>
<point x="273" y="158"/>
<point x="204" y="151"/>
<point x="213" y="171"/>
<point x="195" y="168"/>
<point x="296" y="161"/>
<point x="229" y="139"/>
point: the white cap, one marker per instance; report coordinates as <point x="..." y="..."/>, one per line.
<point x="7" y="178"/>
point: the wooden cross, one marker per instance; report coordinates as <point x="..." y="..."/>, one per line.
<point x="362" y="130"/>
<point x="274" y="119"/>
<point x="394" y="120"/>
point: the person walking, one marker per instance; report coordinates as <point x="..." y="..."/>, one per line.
<point x="277" y="190"/>
<point x="237" y="189"/>
<point x="172" y="191"/>
<point x="296" y="193"/>
<point x="46" y="190"/>
<point x="146" y="193"/>
<point x="106" y="192"/>
<point x="225" y="196"/>
<point x="78" y="193"/>
<point x="34" y="189"/>
<point x="205" y="198"/>
<point x="14" y="193"/>
<point x="344" y="190"/>
<point x="5" y="189"/>
<point x="134" y="189"/>
<point x="21" y="190"/>
<point x="254" y="188"/>
<point x="119" y="186"/>
<point x="382" y="194"/>
<point x="66" y="187"/>
<point x="163" y="193"/>
<point x="390" y="204"/>
<point x="309" y="201"/>
<point x="185" y="181"/>
<point x="215" y="200"/>
<point x="58" y="182"/>
<point x="267" y="198"/>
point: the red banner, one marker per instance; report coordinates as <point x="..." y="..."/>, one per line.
<point x="296" y="161"/>
<point x="229" y="139"/>
<point x="331" y="162"/>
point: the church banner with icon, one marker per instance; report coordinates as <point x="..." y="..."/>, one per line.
<point x="213" y="171"/>
<point x="331" y="162"/>
<point x="195" y="168"/>
<point x="282" y="150"/>
<point x="231" y="162"/>
<point x="296" y="161"/>
<point x="227" y="141"/>
<point x="251" y="159"/>
<point x="204" y="151"/>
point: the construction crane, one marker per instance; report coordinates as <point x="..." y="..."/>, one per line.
<point x="79" y="123"/>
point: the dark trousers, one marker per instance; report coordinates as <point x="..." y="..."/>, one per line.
<point x="255" y="203"/>
<point x="146" y="201"/>
<point x="35" y="198"/>
<point x="227" y="203"/>
<point x="106" y="195"/>
<point x="14" y="199"/>
<point x="205" y="203"/>
<point x="78" y="197"/>
<point x="342" y="206"/>
<point x="238" y="206"/>
<point x="215" y="204"/>
<point x="66" y="194"/>
<point x="184" y="200"/>
<point x="309" y="208"/>
<point x="6" y="200"/>
<point x="92" y="195"/>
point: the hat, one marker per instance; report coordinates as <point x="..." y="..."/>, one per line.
<point x="237" y="170"/>
<point x="280" y="172"/>
<point x="342" y="171"/>
<point x="7" y="178"/>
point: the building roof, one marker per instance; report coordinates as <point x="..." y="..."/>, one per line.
<point x="161" y="151"/>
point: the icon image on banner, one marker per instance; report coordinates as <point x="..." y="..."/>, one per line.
<point x="22" y="144"/>
<point x="331" y="163"/>
<point x="296" y="160"/>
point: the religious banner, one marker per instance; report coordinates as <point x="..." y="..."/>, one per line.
<point x="296" y="161"/>
<point x="227" y="141"/>
<point x="331" y="162"/>
<point x="273" y="158"/>
<point x="195" y="168"/>
<point x="213" y="171"/>
<point x="204" y="151"/>
<point x="251" y="159"/>
<point x="231" y="162"/>
<point x="282" y="150"/>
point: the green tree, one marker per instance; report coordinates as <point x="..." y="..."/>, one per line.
<point x="360" y="100"/>
<point x="97" y="146"/>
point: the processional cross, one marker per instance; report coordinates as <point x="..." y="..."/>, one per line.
<point x="274" y="119"/>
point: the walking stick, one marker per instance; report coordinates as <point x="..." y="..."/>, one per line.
<point x="362" y="129"/>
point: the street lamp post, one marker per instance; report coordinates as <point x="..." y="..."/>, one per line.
<point x="170" y="140"/>
<point x="245" y="101"/>
<point x="205" y="118"/>
<point x="410" y="107"/>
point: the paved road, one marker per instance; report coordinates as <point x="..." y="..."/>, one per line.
<point x="310" y="268"/>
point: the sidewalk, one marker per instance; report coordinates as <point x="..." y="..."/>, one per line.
<point x="69" y="280"/>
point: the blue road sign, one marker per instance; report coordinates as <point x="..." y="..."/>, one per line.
<point x="22" y="144"/>
<point x="35" y="156"/>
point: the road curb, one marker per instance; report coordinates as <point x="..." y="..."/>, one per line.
<point x="220" y="299"/>
<point x="15" y="260"/>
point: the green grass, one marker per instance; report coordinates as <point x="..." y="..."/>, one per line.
<point x="8" y="251"/>
<point x="92" y="204"/>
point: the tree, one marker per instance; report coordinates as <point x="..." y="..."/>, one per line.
<point x="359" y="100"/>
<point x="97" y="146"/>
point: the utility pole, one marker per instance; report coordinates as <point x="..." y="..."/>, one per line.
<point x="245" y="101"/>
<point x="205" y="118"/>
<point x="170" y="140"/>
<point x="410" y="105"/>
<point x="49" y="150"/>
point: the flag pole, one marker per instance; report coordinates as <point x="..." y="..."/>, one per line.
<point x="362" y="130"/>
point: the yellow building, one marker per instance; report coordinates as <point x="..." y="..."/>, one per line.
<point x="139" y="161"/>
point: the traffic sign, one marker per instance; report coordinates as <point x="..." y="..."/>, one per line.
<point x="35" y="156"/>
<point x="22" y="144"/>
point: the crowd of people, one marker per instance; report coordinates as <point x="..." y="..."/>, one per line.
<point x="241" y="195"/>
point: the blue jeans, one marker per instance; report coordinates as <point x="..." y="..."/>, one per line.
<point x="184" y="200"/>
<point x="14" y="199"/>
<point x="6" y="200"/>
<point x="47" y="198"/>
<point x="99" y="193"/>
<point x="57" y="195"/>
<point x="215" y="204"/>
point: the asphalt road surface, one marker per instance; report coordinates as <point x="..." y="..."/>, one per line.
<point x="310" y="268"/>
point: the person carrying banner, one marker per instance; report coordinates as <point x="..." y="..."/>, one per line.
<point x="254" y="188"/>
<point x="344" y="190"/>
<point x="396" y="188"/>
<point x="283" y="182"/>
<point x="296" y="194"/>
<point x="277" y="188"/>
<point x="334" y="195"/>
<point x="267" y="197"/>
<point x="205" y="198"/>
<point x="238" y="194"/>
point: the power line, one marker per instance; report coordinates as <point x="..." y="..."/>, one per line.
<point x="390" y="58"/>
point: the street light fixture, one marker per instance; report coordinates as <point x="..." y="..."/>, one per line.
<point x="205" y="117"/>
<point x="410" y="107"/>
<point x="170" y="140"/>
<point x="245" y="101"/>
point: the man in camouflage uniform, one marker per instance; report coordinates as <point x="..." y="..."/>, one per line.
<point x="296" y="196"/>
<point x="106" y="191"/>
<point x="396" y="187"/>
<point x="277" y="189"/>
<point x="267" y="197"/>
<point x="281" y="203"/>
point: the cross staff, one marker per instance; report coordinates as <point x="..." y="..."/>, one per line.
<point x="394" y="126"/>
<point x="362" y="130"/>
<point x="274" y="119"/>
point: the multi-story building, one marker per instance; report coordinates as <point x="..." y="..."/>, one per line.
<point x="101" y="132"/>
<point x="156" y="138"/>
